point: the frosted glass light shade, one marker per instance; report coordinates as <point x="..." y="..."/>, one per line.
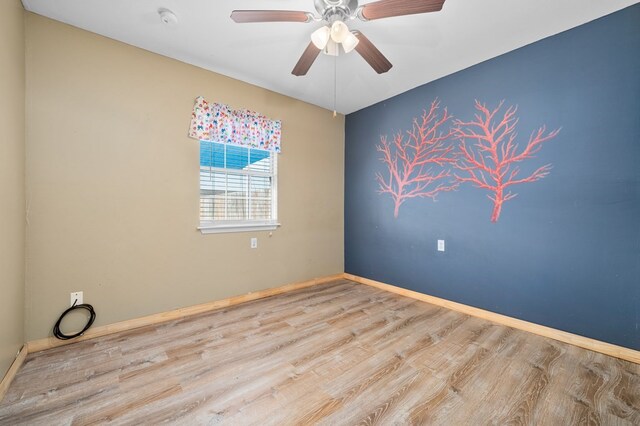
<point x="349" y="43"/>
<point x="339" y="31"/>
<point x="320" y="37"/>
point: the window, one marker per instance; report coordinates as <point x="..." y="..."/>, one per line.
<point x="237" y="188"/>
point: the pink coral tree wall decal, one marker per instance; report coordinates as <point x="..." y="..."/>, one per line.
<point x="489" y="155"/>
<point x="411" y="159"/>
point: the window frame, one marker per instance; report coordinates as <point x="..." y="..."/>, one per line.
<point x="248" y="225"/>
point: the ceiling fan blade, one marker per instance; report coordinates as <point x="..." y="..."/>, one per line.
<point x="388" y="8"/>
<point x="306" y="60"/>
<point x="371" y="54"/>
<point x="245" y="16"/>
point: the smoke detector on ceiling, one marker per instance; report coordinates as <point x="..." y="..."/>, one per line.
<point x="167" y="17"/>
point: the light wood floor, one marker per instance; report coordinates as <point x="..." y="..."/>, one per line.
<point x="338" y="353"/>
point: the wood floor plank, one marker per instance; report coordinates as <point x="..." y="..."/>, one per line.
<point x="340" y="353"/>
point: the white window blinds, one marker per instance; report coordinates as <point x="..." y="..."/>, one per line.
<point x="237" y="185"/>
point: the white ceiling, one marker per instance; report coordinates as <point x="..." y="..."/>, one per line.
<point x="422" y="48"/>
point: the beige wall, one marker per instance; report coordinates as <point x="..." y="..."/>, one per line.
<point x="11" y="181"/>
<point x="112" y="181"/>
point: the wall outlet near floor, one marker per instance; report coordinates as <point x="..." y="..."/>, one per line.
<point x="76" y="297"/>
<point x="440" y="245"/>
<point x="254" y="243"/>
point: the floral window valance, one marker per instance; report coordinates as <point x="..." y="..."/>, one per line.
<point x="219" y="123"/>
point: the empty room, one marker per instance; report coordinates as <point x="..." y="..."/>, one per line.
<point x="337" y="212"/>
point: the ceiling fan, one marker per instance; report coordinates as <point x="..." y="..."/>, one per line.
<point x="328" y="39"/>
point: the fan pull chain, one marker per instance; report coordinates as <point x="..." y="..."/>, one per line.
<point x="335" y="83"/>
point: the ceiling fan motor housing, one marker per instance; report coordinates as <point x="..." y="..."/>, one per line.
<point x="332" y="10"/>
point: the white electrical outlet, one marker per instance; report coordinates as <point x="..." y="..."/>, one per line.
<point x="440" y="245"/>
<point x="76" y="297"/>
<point x="254" y="243"/>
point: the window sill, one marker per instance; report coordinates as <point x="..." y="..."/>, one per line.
<point x="210" y="228"/>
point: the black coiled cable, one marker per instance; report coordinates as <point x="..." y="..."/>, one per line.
<point x="92" y="317"/>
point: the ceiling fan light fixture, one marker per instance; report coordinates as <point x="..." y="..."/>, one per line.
<point x="350" y="42"/>
<point x="335" y="13"/>
<point x="339" y="31"/>
<point x="320" y="37"/>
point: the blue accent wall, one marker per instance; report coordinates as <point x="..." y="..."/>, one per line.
<point x="565" y="252"/>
